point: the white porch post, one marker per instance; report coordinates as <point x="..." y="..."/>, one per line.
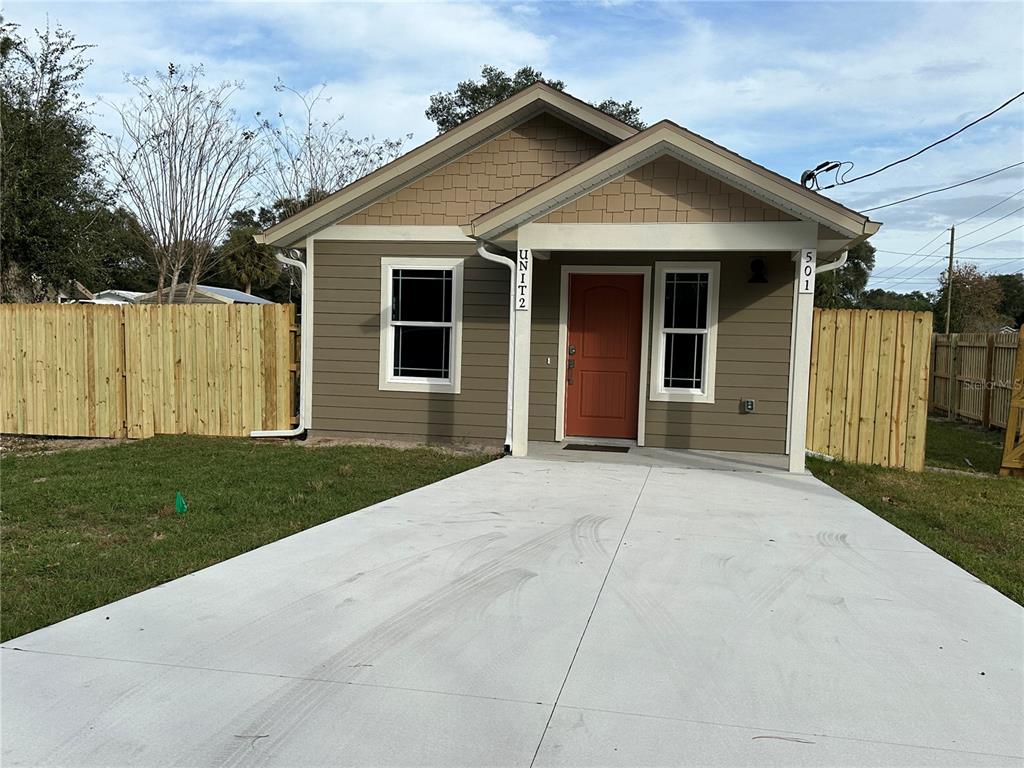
<point x="523" y="276"/>
<point x="803" y="312"/>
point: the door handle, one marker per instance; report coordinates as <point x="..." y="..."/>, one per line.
<point x="572" y="364"/>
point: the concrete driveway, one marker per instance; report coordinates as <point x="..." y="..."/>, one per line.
<point x="547" y="613"/>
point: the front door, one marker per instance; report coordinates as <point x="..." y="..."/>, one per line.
<point x="602" y="384"/>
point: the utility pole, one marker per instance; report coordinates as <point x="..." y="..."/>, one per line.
<point x="949" y="278"/>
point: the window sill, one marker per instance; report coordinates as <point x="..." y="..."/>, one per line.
<point x="682" y="397"/>
<point x="437" y="387"/>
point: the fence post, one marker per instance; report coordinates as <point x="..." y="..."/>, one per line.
<point x="986" y="408"/>
<point x="953" y="382"/>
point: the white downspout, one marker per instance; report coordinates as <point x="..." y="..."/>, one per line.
<point x="832" y="264"/>
<point x="498" y="259"/>
<point x="307" y="344"/>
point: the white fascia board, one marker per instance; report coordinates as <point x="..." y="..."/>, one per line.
<point x="703" y="236"/>
<point x="398" y="233"/>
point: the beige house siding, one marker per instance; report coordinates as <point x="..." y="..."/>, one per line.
<point x="346" y="351"/>
<point x="753" y="356"/>
<point x="664" y="190"/>
<point x="516" y="162"/>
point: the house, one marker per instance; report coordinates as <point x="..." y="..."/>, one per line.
<point x="204" y="294"/>
<point x="545" y="272"/>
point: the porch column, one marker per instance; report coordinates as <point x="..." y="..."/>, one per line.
<point x="803" y="317"/>
<point x="523" y="316"/>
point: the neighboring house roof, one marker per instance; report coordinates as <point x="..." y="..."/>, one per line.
<point x="439" y="151"/>
<point x="118" y="296"/>
<point x="212" y="295"/>
<point x="667" y="138"/>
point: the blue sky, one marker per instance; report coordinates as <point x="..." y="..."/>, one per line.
<point x="786" y="84"/>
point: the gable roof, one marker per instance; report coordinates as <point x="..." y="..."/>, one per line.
<point x="668" y="138"/>
<point x="441" y="150"/>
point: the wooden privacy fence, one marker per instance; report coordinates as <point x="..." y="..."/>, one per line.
<point x="972" y="376"/>
<point x="1013" y="442"/>
<point x="88" y="370"/>
<point x="868" y="398"/>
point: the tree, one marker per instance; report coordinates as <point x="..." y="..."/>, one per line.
<point x="183" y="164"/>
<point x="50" y="193"/>
<point x="843" y="287"/>
<point x="877" y="298"/>
<point x="471" y="97"/>
<point x="976" y="301"/>
<point x="1012" y="305"/>
<point x="244" y="262"/>
<point x="308" y="159"/>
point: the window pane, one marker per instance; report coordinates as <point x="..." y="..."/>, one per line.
<point x="684" y="360"/>
<point x="686" y="300"/>
<point x="421" y="295"/>
<point x="422" y="352"/>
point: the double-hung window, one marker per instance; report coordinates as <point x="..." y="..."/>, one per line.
<point x="686" y="296"/>
<point x="421" y="324"/>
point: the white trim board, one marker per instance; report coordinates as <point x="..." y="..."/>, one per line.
<point x="563" y="341"/>
<point x="396" y="233"/>
<point x="703" y="236"/>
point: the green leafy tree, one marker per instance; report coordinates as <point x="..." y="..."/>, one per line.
<point x="471" y="97"/>
<point x="52" y="201"/>
<point x="977" y="299"/>
<point x="915" y="301"/>
<point x="243" y="262"/>
<point x="1012" y="305"/>
<point x="842" y="288"/>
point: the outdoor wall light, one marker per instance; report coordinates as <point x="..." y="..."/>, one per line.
<point x="758" y="271"/>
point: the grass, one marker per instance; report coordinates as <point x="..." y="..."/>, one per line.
<point x="83" y="528"/>
<point x="977" y="522"/>
<point x="953" y="445"/>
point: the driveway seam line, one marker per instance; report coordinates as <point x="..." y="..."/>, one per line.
<point x="277" y="675"/>
<point x="590" y="616"/>
<point x="674" y="718"/>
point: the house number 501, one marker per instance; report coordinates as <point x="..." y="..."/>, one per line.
<point x="808" y="263"/>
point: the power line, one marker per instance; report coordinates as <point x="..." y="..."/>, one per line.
<point x="840" y="181"/>
<point x="943" y="189"/>
<point x="919" y="261"/>
<point x="985" y="242"/>
<point x="911" y="255"/>
<point x="994" y="221"/>
<point x="979" y="213"/>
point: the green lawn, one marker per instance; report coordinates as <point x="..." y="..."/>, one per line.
<point x="977" y="522"/>
<point x="82" y="528"/>
<point x="954" y="445"/>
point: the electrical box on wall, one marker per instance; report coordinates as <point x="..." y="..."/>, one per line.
<point x="748" y="406"/>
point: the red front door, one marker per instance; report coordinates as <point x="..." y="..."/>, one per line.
<point x="602" y="374"/>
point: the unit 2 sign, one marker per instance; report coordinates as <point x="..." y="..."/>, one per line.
<point x="524" y="261"/>
<point x="808" y="264"/>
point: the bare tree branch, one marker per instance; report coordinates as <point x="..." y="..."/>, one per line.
<point x="182" y="164"/>
<point x="305" y="162"/>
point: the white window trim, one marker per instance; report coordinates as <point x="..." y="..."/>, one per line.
<point x="387" y="381"/>
<point x="659" y="391"/>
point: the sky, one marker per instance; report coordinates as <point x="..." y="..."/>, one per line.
<point x="789" y="85"/>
